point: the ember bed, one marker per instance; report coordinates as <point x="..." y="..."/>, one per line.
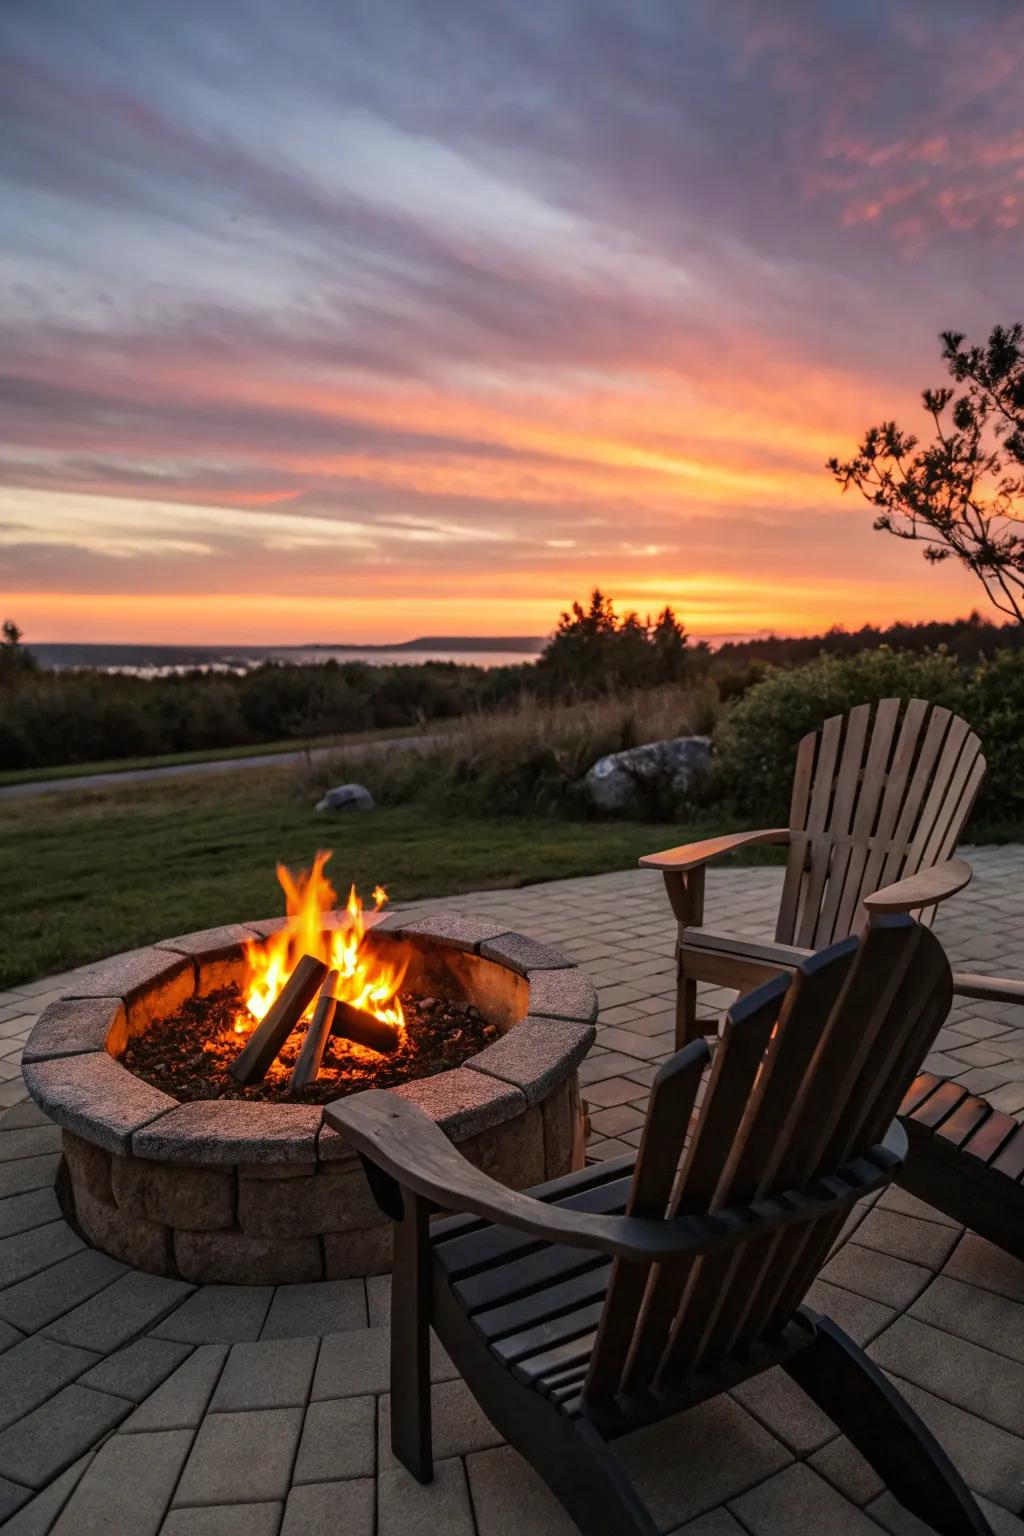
<point x="235" y="1190"/>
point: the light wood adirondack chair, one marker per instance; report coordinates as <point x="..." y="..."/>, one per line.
<point x="878" y="807"/>
<point x="621" y="1295"/>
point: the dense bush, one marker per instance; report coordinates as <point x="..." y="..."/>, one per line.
<point x="995" y="708"/>
<point x="756" y="746"/>
<point x="51" y="718"/>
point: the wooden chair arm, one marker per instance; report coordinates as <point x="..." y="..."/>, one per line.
<point x="695" y="855"/>
<point x="398" y="1138"/>
<point x="925" y="889"/>
<point x="988" y="989"/>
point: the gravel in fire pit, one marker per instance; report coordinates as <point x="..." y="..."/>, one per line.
<point x="188" y="1054"/>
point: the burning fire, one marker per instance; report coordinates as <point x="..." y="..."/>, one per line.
<point x="364" y="980"/>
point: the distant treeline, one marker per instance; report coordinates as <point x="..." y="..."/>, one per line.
<point x="968" y="640"/>
<point x="52" y="718"/>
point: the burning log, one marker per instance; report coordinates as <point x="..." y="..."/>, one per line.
<point x="306" y="1068"/>
<point x="251" y="1064"/>
<point x="365" y="1029"/>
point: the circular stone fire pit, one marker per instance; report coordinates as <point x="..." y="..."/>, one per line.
<point x="242" y="1192"/>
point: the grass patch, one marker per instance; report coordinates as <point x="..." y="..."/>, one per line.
<point x="95" y="872"/>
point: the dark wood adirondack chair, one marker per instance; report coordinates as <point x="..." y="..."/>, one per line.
<point x="878" y="807"/>
<point x="623" y="1294"/>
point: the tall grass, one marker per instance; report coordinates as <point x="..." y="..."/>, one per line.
<point x="527" y="758"/>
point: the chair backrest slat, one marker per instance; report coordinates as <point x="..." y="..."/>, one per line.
<point x="896" y="788"/>
<point x="865" y="813"/>
<point x="737" y="1062"/>
<point x="835" y="1110"/>
<point x="673" y="1096"/>
<point x="753" y="1169"/>
<point x="806" y="1079"/>
<point x="845" y="882"/>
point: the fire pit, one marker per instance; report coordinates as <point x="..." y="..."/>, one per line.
<point x="185" y="1170"/>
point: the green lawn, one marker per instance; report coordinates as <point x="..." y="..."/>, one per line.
<point x="87" y="874"/>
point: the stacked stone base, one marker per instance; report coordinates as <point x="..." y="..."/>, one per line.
<point x="280" y="1223"/>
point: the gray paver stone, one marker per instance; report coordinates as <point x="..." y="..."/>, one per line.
<point x="459" y="1423"/>
<point x="225" y="1520"/>
<point x="324" y="1509"/>
<point x="408" y="1508"/>
<point x="28" y="1173"/>
<point x="353" y="1364"/>
<point x="127" y="1487"/>
<point x="38" y="1301"/>
<point x="879" y="1276"/>
<point x="230" y="1131"/>
<point x="181" y="1401"/>
<point x="522" y="954"/>
<point x="138" y="1369"/>
<point x="845" y="1468"/>
<point x="44" y="1442"/>
<point x="152" y="983"/>
<point x="96" y="1098"/>
<point x="567" y="994"/>
<point x="70" y="1028"/>
<point x="510" y="1499"/>
<point x="985" y="1384"/>
<point x="985" y="1318"/>
<point x="239" y="1456"/>
<point x="33" y="1371"/>
<point x="28" y="1141"/>
<point x="134" y="1302"/>
<point x="27" y="1253"/>
<point x="462" y="1102"/>
<point x="32" y="1209"/>
<point x="788" y="1412"/>
<point x="37" y="1517"/>
<point x="459" y="932"/>
<point x="822" y="1507"/>
<point x="327" y="1306"/>
<point x="12" y="1497"/>
<point x="536" y="1055"/>
<point x="274" y="1374"/>
<point x="219" y="1314"/>
<point x="675" y="1476"/>
<point x="338" y="1441"/>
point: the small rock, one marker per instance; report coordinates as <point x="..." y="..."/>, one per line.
<point x="347" y="797"/>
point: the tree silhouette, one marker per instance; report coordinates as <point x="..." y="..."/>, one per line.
<point x="963" y="493"/>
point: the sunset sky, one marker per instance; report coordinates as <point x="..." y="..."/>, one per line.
<point x="370" y="319"/>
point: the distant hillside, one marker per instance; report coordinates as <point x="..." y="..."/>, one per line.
<point x="526" y="645"/>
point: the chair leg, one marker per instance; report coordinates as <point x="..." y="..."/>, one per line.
<point x="568" y="1454"/>
<point x="411" y="1438"/>
<point x="687" y="1028"/>
<point x="864" y="1404"/>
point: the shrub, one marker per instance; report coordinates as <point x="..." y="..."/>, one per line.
<point x="995" y="708"/>
<point x="529" y="758"/>
<point x="756" y="747"/>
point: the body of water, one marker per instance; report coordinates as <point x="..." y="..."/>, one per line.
<point x="165" y="660"/>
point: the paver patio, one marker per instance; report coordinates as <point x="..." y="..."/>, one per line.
<point x="134" y="1404"/>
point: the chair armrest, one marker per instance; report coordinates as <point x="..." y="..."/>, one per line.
<point x="925" y="889"/>
<point x="694" y="855"/>
<point x="397" y="1137"/>
<point x="988" y="989"/>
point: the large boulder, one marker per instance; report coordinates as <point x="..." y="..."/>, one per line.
<point x="625" y="782"/>
<point x="347" y="797"/>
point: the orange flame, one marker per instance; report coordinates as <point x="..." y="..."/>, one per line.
<point x="364" y="980"/>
